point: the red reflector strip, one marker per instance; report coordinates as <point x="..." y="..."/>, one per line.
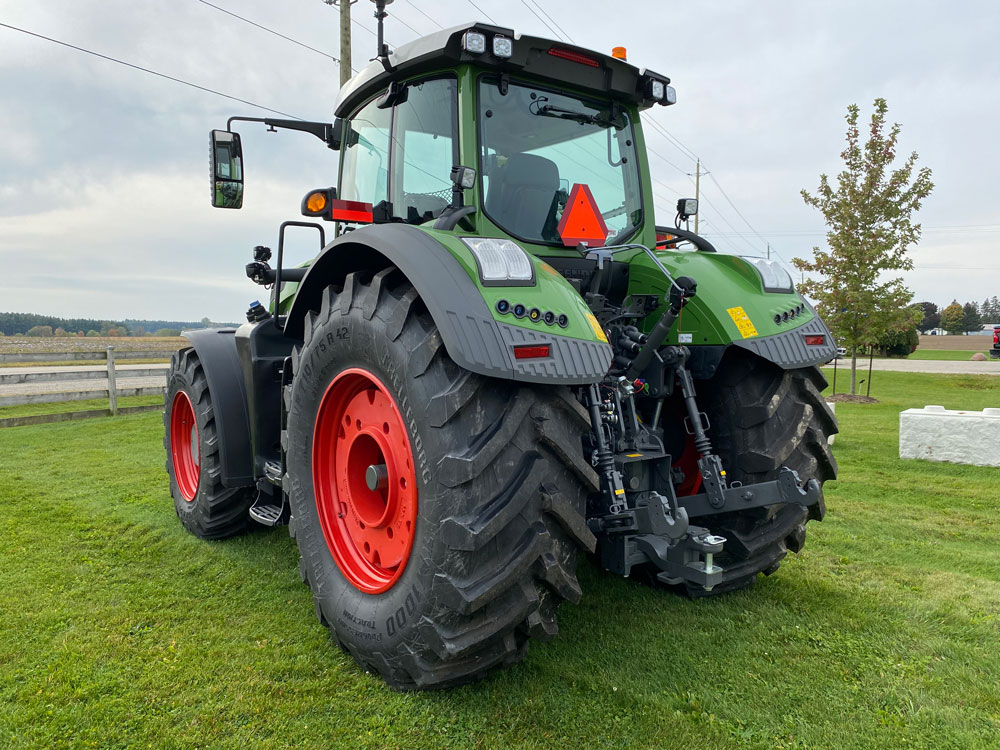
<point x="815" y="340"/>
<point x="568" y="54"/>
<point x="531" y="352"/>
<point x="351" y="211"/>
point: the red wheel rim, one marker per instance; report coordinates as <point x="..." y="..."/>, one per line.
<point x="185" y="448"/>
<point x="360" y="440"/>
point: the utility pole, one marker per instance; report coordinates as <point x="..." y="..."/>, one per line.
<point x="769" y="251"/>
<point x="345" y="38"/>
<point x="697" y="192"/>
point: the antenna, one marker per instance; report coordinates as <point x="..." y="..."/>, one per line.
<point x="383" y="49"/>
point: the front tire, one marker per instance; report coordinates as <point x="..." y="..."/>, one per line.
<point x="484" y="542"/>
<point x="191" y="439"/>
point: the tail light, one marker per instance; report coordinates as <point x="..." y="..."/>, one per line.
<point x="531" y="352"/>
<point x="568" y="54"/>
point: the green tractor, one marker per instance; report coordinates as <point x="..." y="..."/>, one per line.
<point x="499" y="361"/>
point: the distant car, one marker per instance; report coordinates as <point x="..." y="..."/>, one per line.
<point x="842" y="351"/>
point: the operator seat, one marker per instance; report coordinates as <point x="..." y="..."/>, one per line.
<point x="522" y="196"/>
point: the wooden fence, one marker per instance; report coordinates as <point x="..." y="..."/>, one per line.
<point x="110" y="373"/>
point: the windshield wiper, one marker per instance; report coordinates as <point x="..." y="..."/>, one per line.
<point x="584" y="118"/>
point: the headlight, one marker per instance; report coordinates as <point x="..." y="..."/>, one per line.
<point x="774" y="276"/>
<point x="501" y="262"/>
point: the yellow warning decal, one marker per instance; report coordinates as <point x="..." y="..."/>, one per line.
<point x="633" y="455"/>
<point x="742" y="321"/>
<point x="598" y="331"/>
<point x="619" y="492"/>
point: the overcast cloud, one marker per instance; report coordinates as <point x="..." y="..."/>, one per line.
<point x="104" y="201"/>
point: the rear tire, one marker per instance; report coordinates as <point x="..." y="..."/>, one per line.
<point x="762" y="418"/>
<point x="205" y="508"/>
<point x="499" y="509"/>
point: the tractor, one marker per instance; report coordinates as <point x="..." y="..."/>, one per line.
<point x="498" y="361"/>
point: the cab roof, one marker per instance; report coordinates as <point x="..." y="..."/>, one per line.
<point x="537" y="57"/>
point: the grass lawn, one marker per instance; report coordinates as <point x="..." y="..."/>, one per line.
<point x="948" y="354"/>
<point x="121" y="630"/>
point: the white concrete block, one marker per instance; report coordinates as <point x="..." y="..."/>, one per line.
<point x="938" y="434"/>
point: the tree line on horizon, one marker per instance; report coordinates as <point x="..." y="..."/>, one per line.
<point x="31" y="324"/>
<point x="957" y="318"/>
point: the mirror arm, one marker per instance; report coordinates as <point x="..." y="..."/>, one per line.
<point x="327" y="132"/>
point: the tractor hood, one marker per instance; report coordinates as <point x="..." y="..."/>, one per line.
<point x="529" y="55"/>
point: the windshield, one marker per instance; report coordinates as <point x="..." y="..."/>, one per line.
<point x="535" y="145"/>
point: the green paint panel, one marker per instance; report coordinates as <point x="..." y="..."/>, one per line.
<point x="551" y="292"/>
<point x="724" y="282"/>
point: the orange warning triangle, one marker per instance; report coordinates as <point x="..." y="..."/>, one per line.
<point x="581" y="220"/>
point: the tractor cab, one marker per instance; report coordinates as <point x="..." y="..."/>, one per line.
<point x="498" y="130"/>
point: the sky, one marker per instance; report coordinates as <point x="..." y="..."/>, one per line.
<point x="104" y="197"/>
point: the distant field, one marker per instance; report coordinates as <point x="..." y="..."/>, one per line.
<point x="956" y="343"/>
<point x="33" y="345"/>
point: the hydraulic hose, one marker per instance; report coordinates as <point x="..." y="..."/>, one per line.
<point x="683" y="289"/>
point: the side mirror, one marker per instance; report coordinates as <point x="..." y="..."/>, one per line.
<point x="226" y="169"/>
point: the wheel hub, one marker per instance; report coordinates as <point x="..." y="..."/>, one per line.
<point x="364" y="481"/>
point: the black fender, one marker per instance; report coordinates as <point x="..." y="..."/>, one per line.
<point x="216" y="350"/>
<point x="472" y="338"/>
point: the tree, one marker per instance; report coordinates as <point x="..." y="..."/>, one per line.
<point x="953" y="318"/>
<point x="931" y="319"/>
<point x="164" y="332"/>
<point x="92" y="334"/>
<point x="869" y="215"/>
<point x="972" y="320"/>
<point x="990" y="312"/>
<point x="40" y="331"/>
<point x="899" y="343"/>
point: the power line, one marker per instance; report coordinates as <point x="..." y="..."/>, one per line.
<point x="147" y="70"/>
<point x="738" y="213"/>
<point x="558" y="36"/>
<point x="270" y="31"/>
<point x="481" y="11"/>
<point x="421" y="12"/>
<point x="396" y="16"/>
<point x="560" y="28"/>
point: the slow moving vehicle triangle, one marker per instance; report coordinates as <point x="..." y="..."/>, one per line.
<point x="581" y="220"/>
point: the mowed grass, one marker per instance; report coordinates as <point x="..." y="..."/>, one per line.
<point x="947" y="354"/>
<point x="121" y="630"/>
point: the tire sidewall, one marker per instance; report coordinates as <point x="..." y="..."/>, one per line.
<point x="362" y="621"/>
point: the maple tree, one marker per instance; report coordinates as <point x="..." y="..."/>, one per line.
<point x="869" y="214"/>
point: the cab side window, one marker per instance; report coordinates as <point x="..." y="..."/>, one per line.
<point x="424" y="149"/>
<point x="365" y="161"/>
